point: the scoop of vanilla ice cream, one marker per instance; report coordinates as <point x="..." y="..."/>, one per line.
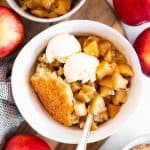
<point x="61" y="47"/>
<point x="81" y="67"/>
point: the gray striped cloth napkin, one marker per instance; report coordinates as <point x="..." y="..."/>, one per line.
<point x="10" y="117"/>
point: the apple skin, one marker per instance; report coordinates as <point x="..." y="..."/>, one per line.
<point x="133" y="12"/>
<point x="26" y="142"/>
<point x="12" y="31"/>
<point x="142" y="47"/>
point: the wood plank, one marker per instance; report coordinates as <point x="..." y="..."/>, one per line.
<point x="92" y="146"/>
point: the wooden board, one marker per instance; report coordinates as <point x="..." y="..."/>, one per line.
<point x="97" y="10"/>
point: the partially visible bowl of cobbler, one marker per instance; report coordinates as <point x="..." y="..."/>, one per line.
<point x="140" y="143"/>
<point x="72" y="69"/>
<point x="46" y="11"/>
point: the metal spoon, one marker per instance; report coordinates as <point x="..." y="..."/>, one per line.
<point x="82" y="144"/>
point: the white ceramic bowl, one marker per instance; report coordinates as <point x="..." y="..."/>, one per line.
<point x="144" y="139"/>
<point x="14" y="5"/>
<point x="33" y="111"/>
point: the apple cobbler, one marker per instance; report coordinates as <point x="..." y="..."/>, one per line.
<point x="78" y="75"/>
<point x="46" y="8"/>
<point x="141" y="147"/>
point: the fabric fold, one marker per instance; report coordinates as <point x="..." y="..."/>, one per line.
<point x="10" y="117"/>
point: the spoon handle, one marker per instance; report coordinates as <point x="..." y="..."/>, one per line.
<point x="82" y="144"/>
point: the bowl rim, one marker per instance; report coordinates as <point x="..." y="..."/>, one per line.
<point x="86" y="22"/>
<point x="142" y="139"/>
<point x="31" y="17"/>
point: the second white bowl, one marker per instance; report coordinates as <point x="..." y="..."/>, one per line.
<point x="14" y="5"/>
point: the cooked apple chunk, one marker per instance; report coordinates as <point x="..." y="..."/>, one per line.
<point x="75" y="86"/>
<point x="118" y="81"/>
<point x="125" y="70"/>
<point x="92" y="49"/>
<point x="105" y="91"/>
<point x="91" y="39"/>
<point x="81" y="96"/>
<point x="101" y="117"/>
<point x="89" y="90"/>
<point x="60" y="71"/>
<point x="75" y="118"/>
<point x="118" y="57"/>
<point x="94" y="126"/>
<point x="107" y="82"/>
<point x="97" y="105"/>
<point x="113" y="110"/>
<point x="120" y="97"/>
<point x="103" y="70"/>
<point x="108" y="56"/>
<point x="80" y="109"/>
<point x="104" y="47"/>
<point x="86" y="93"/>
<point x="81" y="124"/>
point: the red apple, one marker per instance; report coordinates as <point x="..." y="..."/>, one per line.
<point x="132" y="12"/>
<point x="142" y="47"/>
<point x="11" y="31"/>
<point x="26" y="142"/>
